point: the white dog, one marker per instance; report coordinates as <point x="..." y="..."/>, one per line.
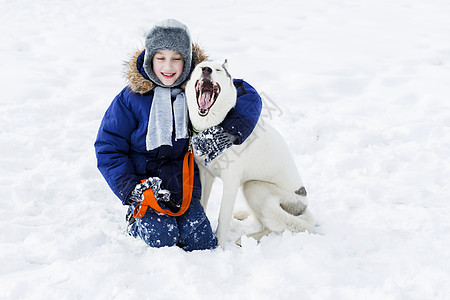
<point x="262" y="164"/>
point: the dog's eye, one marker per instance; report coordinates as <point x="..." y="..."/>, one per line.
<point x="218" y="70"/>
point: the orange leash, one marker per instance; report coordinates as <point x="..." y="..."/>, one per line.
<point x="188" y="185"/>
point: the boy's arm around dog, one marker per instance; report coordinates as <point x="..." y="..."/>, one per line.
<point x="242" y="119"/>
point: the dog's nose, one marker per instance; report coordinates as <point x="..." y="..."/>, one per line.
<point x="206" y="71"/>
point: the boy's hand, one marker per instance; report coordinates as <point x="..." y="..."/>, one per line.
<point x="212" y="142"/>
<point x="161" y="195"/>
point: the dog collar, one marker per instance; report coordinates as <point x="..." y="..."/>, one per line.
<point x="195" y="130"/>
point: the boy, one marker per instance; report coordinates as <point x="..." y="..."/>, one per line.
<point x="144" y="137"/>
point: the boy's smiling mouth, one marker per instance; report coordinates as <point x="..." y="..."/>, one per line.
<point x="168" y="75"/>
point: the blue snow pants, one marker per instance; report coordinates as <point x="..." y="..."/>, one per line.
<point x="190" y="231"/>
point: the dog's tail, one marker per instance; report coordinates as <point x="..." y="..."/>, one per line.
<point x="277" y="208"/>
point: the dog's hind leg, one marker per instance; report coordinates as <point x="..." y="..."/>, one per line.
<point x="277" y="208"/>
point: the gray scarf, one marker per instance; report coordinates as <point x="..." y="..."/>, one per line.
<point x="162" y="115"/>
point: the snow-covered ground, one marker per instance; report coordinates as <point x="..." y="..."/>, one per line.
<point x="359" y="89"/>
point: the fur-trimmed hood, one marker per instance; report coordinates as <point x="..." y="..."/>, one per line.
<point x="139" y="82"/>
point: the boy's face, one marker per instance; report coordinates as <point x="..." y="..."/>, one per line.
<point x="167" y="66"/>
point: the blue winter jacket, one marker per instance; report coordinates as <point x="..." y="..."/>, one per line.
<point x="121" y="148"/>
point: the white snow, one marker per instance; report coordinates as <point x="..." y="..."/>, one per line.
<point x="359" y="89"/>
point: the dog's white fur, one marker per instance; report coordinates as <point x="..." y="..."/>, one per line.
<point x="262" y="165"/>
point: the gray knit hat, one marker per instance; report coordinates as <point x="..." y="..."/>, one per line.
<point x="172" y="35"/>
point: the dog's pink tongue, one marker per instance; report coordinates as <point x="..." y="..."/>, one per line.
<point x="205" y="100"/>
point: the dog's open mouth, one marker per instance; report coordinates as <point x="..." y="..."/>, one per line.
<point x="207" y="92"/>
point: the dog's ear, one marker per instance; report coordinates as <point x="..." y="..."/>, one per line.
<point x="225" y="64"/>
<point x="225" y="67"/>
